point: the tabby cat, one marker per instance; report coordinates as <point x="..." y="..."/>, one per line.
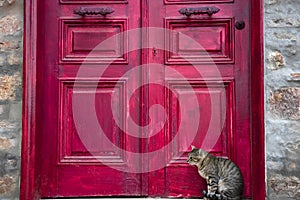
<point x="224" y="179"/>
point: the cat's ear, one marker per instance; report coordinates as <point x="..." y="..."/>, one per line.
<point x="203" y="152"/>
<point x="193" y="147"/>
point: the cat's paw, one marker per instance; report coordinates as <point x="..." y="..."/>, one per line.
<point x="205" y="195"/>
<point x="210" y="196"/>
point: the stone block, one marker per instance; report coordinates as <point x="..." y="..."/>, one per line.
<point x="10" y="1"/>
<point x="15" y="112"/>
<point x="275" y="165"/>
<point x="4" y="2"/>
<point x="4" y="111"/>
<point x="284" y="186"/>
<point x="9" y="127"/>
<point x="283" y="22"/>
<point x="276" y="59"/>
<point x="270" y="2"/>
<point x="2" y="59"/>
<point x="281" y="140"/>
<point x="14" y="59"/>
<point x="10" y="25"/>
<point x="9" y="45"/>
<point x="285" y="36"/>
<point x="295" y="77"/>
<point x="6" y="143"/>
<point x="283" y="41"/>
<point x="286" y="8"/>
<point x="7" y="184"/>
<point x="285" y="103"/>
<point x="8" y="86"/>
<point x="11" y="163"/>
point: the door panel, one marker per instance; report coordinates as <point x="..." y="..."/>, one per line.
<point x="81" y="37"/>
<point x="196" y="1"/>
<point x="92" y="1"/>
<point x="213" y="35"/>
<point x="182" y="179"/>
<point x="221" y="95"/>
<point x="73" y="146"/>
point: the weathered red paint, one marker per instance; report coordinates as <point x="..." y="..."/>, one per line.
<point x="50" y="65"/>
<point x="257" y="98"/>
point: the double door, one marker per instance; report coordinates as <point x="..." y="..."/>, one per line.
<point x="125" y="87"/>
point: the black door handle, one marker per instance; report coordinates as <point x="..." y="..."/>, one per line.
<point x="199" y="11"/>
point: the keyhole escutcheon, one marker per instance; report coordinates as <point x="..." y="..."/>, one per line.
<point x="240" y="25"/>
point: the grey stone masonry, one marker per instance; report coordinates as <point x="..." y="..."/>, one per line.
<point x="282" y="94"/>
<point x="11" y="33"/>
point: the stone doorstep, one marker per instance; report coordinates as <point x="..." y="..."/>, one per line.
<point x="127" y="198"/>
<point x="124" y="198"/>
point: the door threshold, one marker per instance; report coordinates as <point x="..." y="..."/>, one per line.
<point x="127" y="198"/>
<point x="124" y="198"/>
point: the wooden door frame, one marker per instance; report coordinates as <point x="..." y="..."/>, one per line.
<point x="28" y="188"/>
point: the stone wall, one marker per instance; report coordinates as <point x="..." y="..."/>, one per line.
<point x="11" y="30"/>
<point x="282" y="84"/>
<point x="282" y="97"/>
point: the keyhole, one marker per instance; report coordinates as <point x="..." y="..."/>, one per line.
<point x="240" y="25"/>
<point x="154" y="51"/>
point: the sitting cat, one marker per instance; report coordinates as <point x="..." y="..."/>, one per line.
<point x="224" y="179"/>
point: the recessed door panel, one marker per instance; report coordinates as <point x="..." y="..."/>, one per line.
<point x="92" y="1"/>
<point x="91" y="147"/>
<point x="81" y="39"/>
<point x="200" y="41"/>
<point x="214" y="131"/>
<point x="197" y="1"/>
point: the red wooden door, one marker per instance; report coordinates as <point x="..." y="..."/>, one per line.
<point x="72" y="153"/>
<point x="211" y="54"/>
<point x="198" y="72"/>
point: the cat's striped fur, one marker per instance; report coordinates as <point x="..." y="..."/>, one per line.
<point x="224" y="179"/>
